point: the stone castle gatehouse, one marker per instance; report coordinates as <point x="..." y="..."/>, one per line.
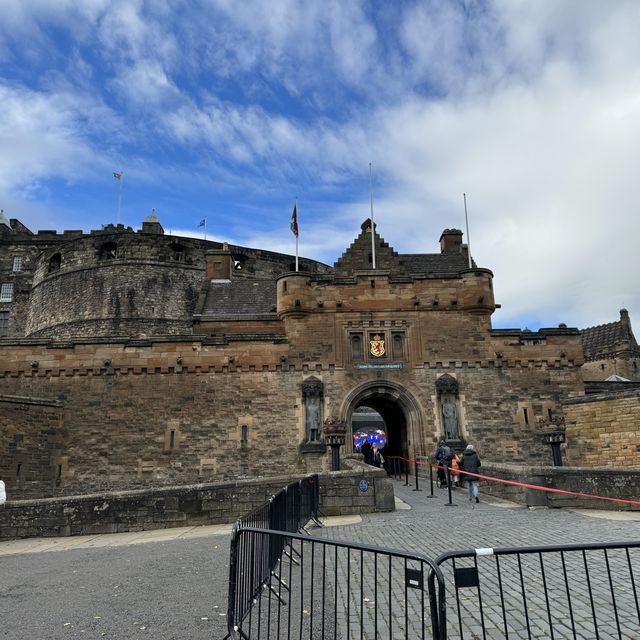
<point x="135" y="358"/>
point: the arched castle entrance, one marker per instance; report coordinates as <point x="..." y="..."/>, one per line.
<point x="399" y="410"/>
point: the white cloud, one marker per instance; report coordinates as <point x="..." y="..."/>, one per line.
<point x="531" y="108"/>
<point x="40" y="132"/>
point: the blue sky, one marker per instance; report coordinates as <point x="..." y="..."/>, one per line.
<point x="229" y="110"/>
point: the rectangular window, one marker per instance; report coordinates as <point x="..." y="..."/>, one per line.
<point x="397" y="344"/>
<point x="525" y="412"/>
<point x="356" y="346"/>
<point x="244" y="435"/>
<point x="17" y="263"/>
<point x="6" y="292"/>
<point x="4" y="323"/>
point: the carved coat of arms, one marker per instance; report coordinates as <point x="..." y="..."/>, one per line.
<point x="376" y="346"/>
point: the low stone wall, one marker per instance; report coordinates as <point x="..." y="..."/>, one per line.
<point x="358" y="489"/>
<point x="610" y="483"/>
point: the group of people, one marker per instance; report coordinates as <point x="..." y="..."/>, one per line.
<point x="468" y="462"/>
<point x="371" y="454"/>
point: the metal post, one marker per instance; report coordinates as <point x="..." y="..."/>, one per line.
<point x="405" y="464"/>
<point x="415" y="464"/>
<point x="450" y="503"/>
<point x="431" y="479"/>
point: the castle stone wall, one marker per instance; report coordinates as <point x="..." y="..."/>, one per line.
<point x="604" y="430"/>
<point x="171" y="412"/>
<point x="134" y="287"/>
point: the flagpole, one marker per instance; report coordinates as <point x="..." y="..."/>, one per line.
<point x="205" y="229"/>
<point x="296" y="207"/>
<point x="466" y="220"/>
<point x="119" y="197"/>
<point x="373" y="229"/>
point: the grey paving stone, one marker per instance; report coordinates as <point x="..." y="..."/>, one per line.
<point x="550" y="605"/>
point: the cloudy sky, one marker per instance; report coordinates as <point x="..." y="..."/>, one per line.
<point x="229" y="110"/>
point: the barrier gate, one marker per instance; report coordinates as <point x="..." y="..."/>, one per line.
<point x="285" y="584"/>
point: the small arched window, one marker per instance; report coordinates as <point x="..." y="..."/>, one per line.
<point x="54" y="262"/>
<point x="108" y="251"/>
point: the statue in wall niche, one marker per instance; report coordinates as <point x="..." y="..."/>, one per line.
<point x="313" y="419"/>
<point x="450" y="418"/>
<point x="312" y="391"/>
<point x="447" y="389"/>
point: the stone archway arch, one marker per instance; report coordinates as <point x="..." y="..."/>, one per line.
<point x="384" y="396"/>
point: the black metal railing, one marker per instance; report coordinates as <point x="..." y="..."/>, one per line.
<point x="326" y="589"/>
<point x="559" y="591"/>
<point x="283" y="584"/>
<point x="288" y="510"/>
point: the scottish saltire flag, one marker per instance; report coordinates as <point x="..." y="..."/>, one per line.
<point x="202" y="222"/>
<point x="117" y="175"/>
<point x="294" y="221"/>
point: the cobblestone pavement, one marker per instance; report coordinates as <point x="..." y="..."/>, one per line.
<point x="573" y="607"/>
<point x="174" y="586"/>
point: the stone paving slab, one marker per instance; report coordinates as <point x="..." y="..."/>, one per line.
<point x="40" y="545"/>
<point x="431" y="527"/>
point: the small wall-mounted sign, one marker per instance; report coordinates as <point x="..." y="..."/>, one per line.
<point x="363" y="485"/>
<point x="397" y="365"/>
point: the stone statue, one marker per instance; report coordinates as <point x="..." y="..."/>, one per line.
<point x="312" y="390"/>
<point x="450" y="417"/>
<point x="313" y="418"/>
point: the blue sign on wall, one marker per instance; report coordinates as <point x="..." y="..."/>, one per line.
<point x="364" y="485"/>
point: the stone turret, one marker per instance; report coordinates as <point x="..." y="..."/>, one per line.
<point x="151" y="224"/>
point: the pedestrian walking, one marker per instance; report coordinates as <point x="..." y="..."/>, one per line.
<point x="367" y="451"/>
<point x="443" y="456"/>
<point x="471" y="462"/>
<point x="455" y="467"/>
<point x="376" y="458"/>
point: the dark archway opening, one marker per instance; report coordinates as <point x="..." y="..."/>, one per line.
<point x="391" y="419"/>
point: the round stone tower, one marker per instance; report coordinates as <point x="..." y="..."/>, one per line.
<point x="116" y="282"/>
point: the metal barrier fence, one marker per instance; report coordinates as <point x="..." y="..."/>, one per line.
<point x="325" y="589"/>
<point x="560" y="591"/>
<point x="285" y="585"/>
<point x="290" y="509"/>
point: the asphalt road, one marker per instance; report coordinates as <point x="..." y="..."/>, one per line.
<point x="173" y="590"/>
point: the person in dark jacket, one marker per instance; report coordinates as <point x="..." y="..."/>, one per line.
<point x="471" y="462"/>
<point x="367" y="452"/>
<point x="443" y="456"/>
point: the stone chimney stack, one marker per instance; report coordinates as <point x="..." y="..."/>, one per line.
<point x="219" y="263"/>
<point x="451" y="241"/>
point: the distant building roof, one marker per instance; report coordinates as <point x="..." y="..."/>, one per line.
<point x="616" y="378"/>
<point x="608" y="339"/>
<point x="240" y="296"/>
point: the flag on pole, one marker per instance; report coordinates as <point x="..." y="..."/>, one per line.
<point x="294" y="220"/>
<point x="203" y="222"/>
<point x="117" y="175"/>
